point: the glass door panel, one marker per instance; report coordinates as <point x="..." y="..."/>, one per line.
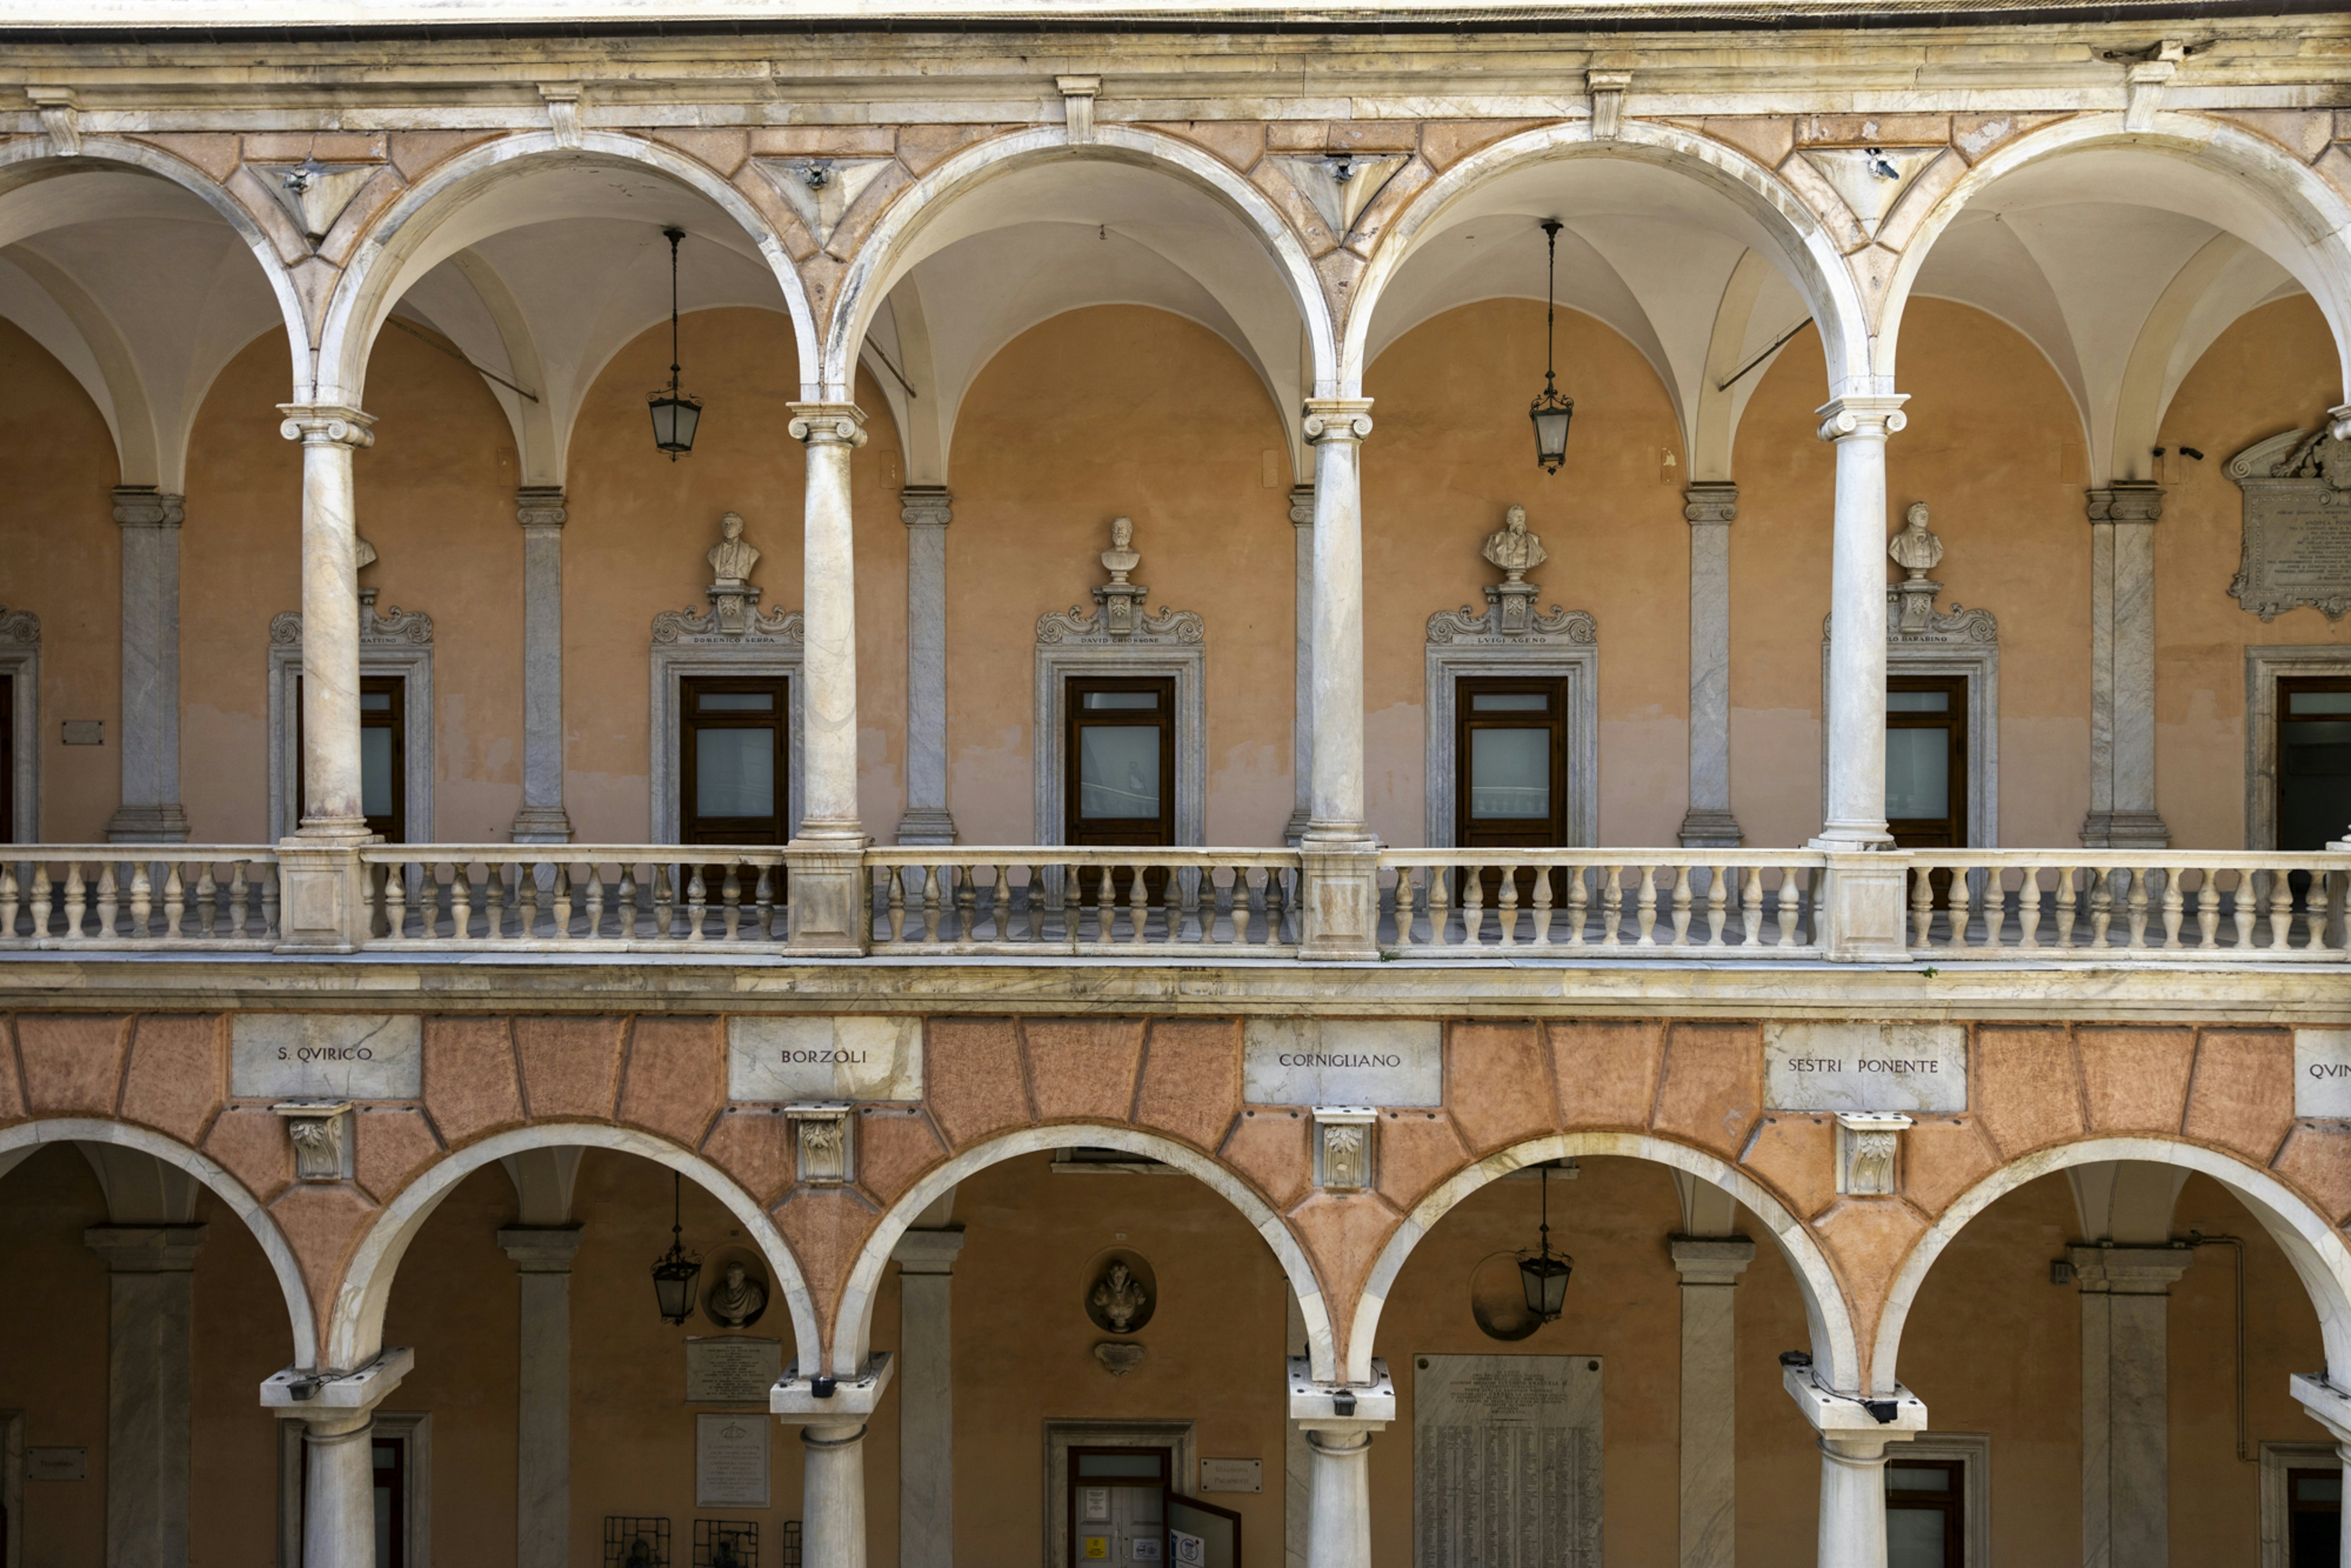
<point x="1926" y="762"/>
<point x="2314" y="761"/>
<point x="734" y="767"/>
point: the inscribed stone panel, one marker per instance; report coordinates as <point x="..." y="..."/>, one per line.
<point x="1342" y="1061"/>
<point x="1506" y="1462"/>
<point x="786" y="1058"/>
<point x="1853" y="1067"/>
<point x="330" y="1056"/>
<point x="2322" y="1073"/>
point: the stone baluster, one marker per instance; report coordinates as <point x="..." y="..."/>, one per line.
<point x="1341" y="911"/>
<point x="829" y="895"/>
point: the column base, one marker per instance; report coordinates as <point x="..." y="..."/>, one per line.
<point x="1339" y="906"/>
<point x="1293" y="831"/>
<point x="163" y="824"/>
<point x="928" y="826"/>
<point x="1709" y="829"/>
<point x="2124" y="830"/>
<point x="541" y="825"/>
<point x="830" y="901"/>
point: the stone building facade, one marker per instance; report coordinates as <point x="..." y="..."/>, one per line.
<point x="1142" y="868"/>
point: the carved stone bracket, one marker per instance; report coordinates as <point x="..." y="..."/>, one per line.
<point x="1867" y="1146"/>
<point x="1344" y="1139"/>
<point x="320" y="1131"/>
<point x="825" y="1132"/>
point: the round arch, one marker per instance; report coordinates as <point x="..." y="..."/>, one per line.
<point x="355" y="1331"/>
<point x="367" y="291"/>
<point x="2309" y="212"/>
<point x="855" y="1326"/>
<point x="1835" y="1344"/>
<point x="28" y="1136"/>
<point x="881" y="259"/>
<point x="1822" y="278"/>
<point x="2315" y="1249"/>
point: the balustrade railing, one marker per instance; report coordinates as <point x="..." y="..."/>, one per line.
<point x="614" y="896"/>
<point x="1727" y="903"/>
<point x="1232" y="902"/>
<point x="138" y="897"/>
<point x="2128" y="904"/>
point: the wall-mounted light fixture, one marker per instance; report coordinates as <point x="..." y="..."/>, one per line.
<point x="675" y="414"/>
<point x="1551" y="410"/>
<point x="678" y="1274"/>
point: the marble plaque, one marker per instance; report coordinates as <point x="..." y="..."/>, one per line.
<point x="1232" y="1475"/>
<point x="730" y="1461"/>
<point x="732" y="1369"/>
<point x="1342" y="1061"/>
<point x="2296" y="549"/>
<point x="2322" y="1073"/>
<point x="1506" y="1461"/>
<point x="56" y="1464"/>
<point x="783" y="1059"/>
<point x="325" y="1056"/>
<point x="1897" y="1067"/>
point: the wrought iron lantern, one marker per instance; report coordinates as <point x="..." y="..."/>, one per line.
<point x="1543" y="1273"/>
<point x="678" y="1274"/>
<point x="675" y="413"/>
<point x="1551" y="410"/>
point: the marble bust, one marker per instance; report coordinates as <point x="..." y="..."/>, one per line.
<point x="1514" y="550"/>
<point x="1914" y="549"/>
<point x="737" y="1300"/>
<point x="731" y="558"/>
<point x="1122" y="557"/>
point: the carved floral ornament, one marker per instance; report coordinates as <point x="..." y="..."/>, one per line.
<point x="1510" y="615"/>
<point x="1119" y="615"/>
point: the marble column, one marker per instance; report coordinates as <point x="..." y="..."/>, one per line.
<point x="1340" y="917"/>
<point x="540" y="508"/>
<point x="1301" y="723"/>
<point x="926" y="510"/>
<point x="1709" y="1267"/>
<point x="1853" y="1432"/>
<point x="2125" y="1407"/>
<point x="1709" y="510"/>
<point x="1854" y="812"/>
<point x="151" y="1291"/>
<point x="150" y="812"/>
<point x="332" y="806"/>
<point x="926" y="1398"/>
<point x="2122" y="669"/>
<point x="542" y="1255"/>
<point x="829" y="896"/>
<point x="1339" y="1497"/>
<point x="833" y="1470"/>
<point x="337" y="1410"/>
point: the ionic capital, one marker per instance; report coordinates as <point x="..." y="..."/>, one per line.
<point x="1873" y="416"/>
<point x="827" y="424"/>
<point x="1338" y="419"/>
<point x="2125" y="503"/>
<point x="1716" y="503"/>
<point x="143" y="506"/>
<point x="1301" y="506"/>
<point x="326" y="424"/>
<point x="925" y="507"/>
<point x="541" y="507"/>
<point x="2339" y="423"/>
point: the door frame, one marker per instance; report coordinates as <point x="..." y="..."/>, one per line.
<point x="1184" y="663"/>
<point x="1062" y="1434"/>
<point x="776" y="658"/>
<point x="2263" y="668"/>
<point x="1505" y="658"/>
<point x="1956" y="765"/>
<point x="684" y="721"/>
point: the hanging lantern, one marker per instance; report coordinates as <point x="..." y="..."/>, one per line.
<point x="1543" y="1274"/>
<point x="1550" y="411"/>
<point x="675" y="414"/>
<point x="677" y="1275"/>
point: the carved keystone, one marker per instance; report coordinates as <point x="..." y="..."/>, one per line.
<point x="321" y="1135"/>
<point x="1868" y="1143"/>
<point x="825" y="1132"/>
<point x="1343" y="1136"/>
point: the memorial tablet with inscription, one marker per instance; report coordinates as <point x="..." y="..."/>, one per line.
<point x="1506" y="1461"/>
<point x="730" y="1461"/>
<point x="732" y="1369"/>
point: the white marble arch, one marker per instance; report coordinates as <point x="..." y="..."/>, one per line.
<point x="20" y="1141"/>
<point x="1811" y="257"/>
<point x="1835" y="1346"/>
<point x="2316" y="1249"/>
<point x="853" y="1331"/>
<point x="355" y="1329"/>
<point x="412" y="236"/>
<point x="2243" y="182"/>
<point x="894" y="245"/>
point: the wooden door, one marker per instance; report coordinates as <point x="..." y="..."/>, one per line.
<point x="1927" y="761"/>
<point x="733" y="761"/>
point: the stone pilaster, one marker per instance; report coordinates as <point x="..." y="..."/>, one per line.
<point x="2126" y="1405"/>
<point x="1709" y="1267"/>
<point x="542" y="1255"/>
<point x="926" y="510"/>
<point x="2122" y="669"/>
<point x="926" y="1398"/>
<point x="151" y="1293"/>
<point x="150" y="812"/>
<point x="1301" y="722"/>
<point x="541" y="511"/>
<point x="1710" y="508"/>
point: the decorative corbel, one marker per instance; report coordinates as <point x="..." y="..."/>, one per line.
<point x="1868" y="1145"/>
<point x="1608" y="89"/>
<point x="320" y="1131"/>
<point x="562" y="111"/>
<point x="825" y="1132"/>
<point x="2147" y="79"/>
<point x="60" y="118"/>
<point x="1343" y="1136"/>
<point x="1078" y="94"/>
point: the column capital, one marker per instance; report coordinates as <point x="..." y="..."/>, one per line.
<point x="1337" y="1410"/>
<point x="145" y="1249"/>
<point x="541" y="507"/>
<point x="1853" y="1420"/>
<point x="145" y="507"/>
<point x="301" y="1391"/>
<point x="929" y="1251"/>
<point x="827" y="424"/>
<point x="1711" y="1259"/>
<point x="1337" y="419"/>
<point x="2339" y="423"/>
<point x="815" y="1399"/>
<point x="1873" y="416"/>
<point x="1301" y="506"/>
<point x="540" y="1249"/>
<point x="326" y="424"/>
<point x="2129" y="501"/>
<point x="925" y="507"/>
<point x="2326" y="1403"/>
<point x="2130" y="1270"/>
<point x="1712" y="502"/>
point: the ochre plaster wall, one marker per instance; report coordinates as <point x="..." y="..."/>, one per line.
<point x="60" y="557"/>
<point x="1102" y="413"/>
<point x="2274" y="370"/>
